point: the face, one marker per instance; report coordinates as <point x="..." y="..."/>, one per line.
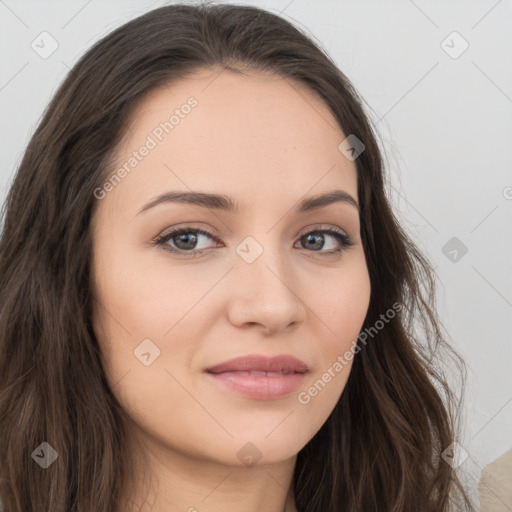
<point x="260" y="275"/>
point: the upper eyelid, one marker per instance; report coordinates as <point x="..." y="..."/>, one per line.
<point x="302" y="232"/>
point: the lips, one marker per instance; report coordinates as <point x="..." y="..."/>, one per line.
<point x="279" y="365"/>
<point x="260" y="377"/>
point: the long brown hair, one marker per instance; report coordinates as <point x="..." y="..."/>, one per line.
<point x="381" y="447"/>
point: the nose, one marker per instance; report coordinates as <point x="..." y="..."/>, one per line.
<point x="266" y="294"/>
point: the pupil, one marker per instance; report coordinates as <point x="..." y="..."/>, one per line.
<point x="319" y="241"/>
<point x="186" y="238"/>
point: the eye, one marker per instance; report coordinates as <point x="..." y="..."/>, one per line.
<point x="316" y="240"/>
<point x="186" y="241"/>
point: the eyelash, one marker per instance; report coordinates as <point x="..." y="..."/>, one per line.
<point x="344" y="239"/>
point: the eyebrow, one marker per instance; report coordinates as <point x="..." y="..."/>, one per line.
<point x="225" y="203"/>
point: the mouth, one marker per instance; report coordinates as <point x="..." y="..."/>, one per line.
<point x="268" y="374"/>
<point x="260" y="377"/>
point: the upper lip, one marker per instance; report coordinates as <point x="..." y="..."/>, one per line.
<point x="278" y="364"/>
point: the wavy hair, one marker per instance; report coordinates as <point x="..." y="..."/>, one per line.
<point x="381" y="447"/>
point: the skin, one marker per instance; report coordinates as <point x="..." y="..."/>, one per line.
<point x="267" y="143"/>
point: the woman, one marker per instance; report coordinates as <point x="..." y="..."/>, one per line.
<point x="206" y="301"/>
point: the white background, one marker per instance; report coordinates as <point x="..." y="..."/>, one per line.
<point x="446" y="127"/>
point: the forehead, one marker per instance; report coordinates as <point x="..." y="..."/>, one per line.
<point x="266" y="133"/>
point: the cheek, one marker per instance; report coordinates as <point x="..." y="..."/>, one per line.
<point x="142" y="295"/>
<point x="341" y="304"/>
<point x="139" y="319"/>
<point x="341" y="308"/>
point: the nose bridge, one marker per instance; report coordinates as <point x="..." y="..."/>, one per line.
<point x="262" y="260"/>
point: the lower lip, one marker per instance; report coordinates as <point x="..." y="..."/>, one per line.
<point x="260" y="387"/>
